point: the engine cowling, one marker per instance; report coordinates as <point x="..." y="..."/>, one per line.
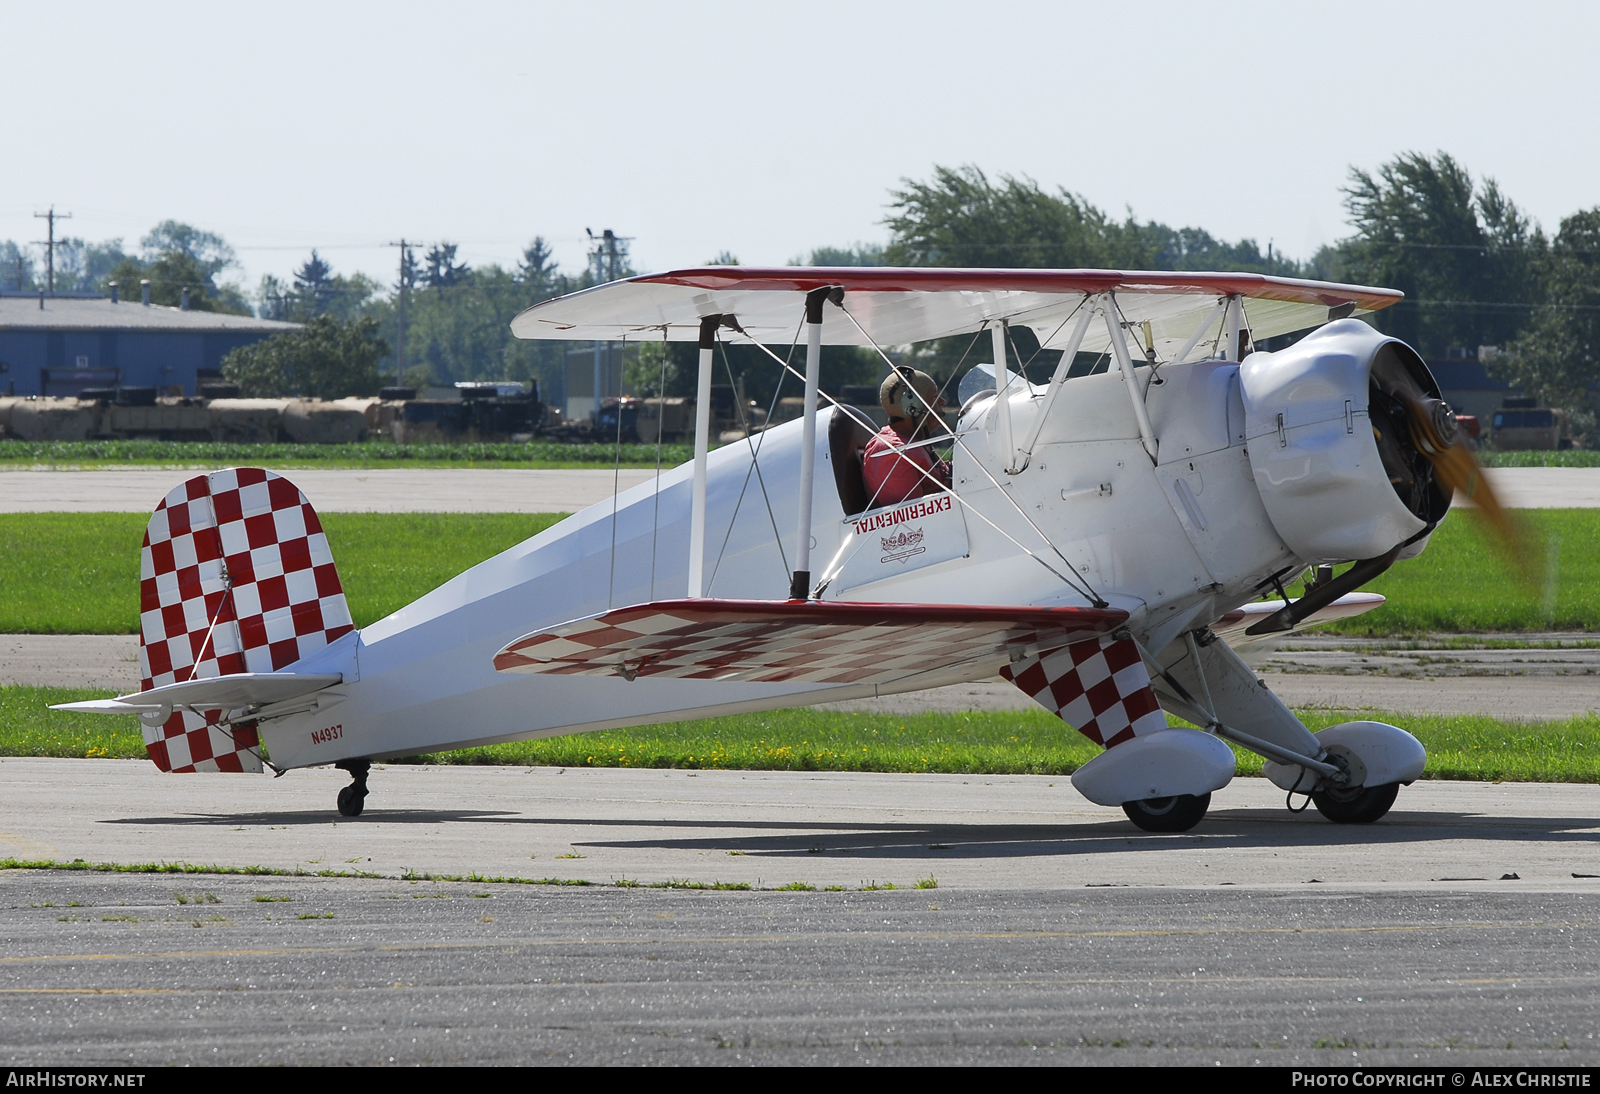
<point x="1336" y="464"/>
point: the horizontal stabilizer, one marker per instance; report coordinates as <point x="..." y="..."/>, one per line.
<point x="798" y="641"/>
<point x="238" y="691"/>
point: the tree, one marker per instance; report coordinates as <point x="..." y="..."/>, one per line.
<point x="175" y="257"/>
<point x="861" y="254"/>
<point x="313" y="275"/>
<point x="82" y="266"/>
<point x="462" y="331"/>
<point x="960" y="218"/>
<point x="316" y="290"/>
<point x="325" y="359"/>
<point x="442" y="270"/>
<point x="536" y="271"/>
<point x="1557" y="356"/>
<point x="1461" y="252"/>
<point x="209" y="251"/>
<point x="1198" y="249"/>
<point x="169" y="274"/>
<point x="16" y="267"/>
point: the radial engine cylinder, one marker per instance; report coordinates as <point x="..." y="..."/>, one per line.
<point x="1333" y="456"/>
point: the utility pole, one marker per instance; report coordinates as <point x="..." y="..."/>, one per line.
<point x="400" y="315"/>
<point x="608" y="253"/>
<point x="50" y="244"/>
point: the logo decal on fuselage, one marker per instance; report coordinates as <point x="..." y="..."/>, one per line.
<point x="902" y="545"/>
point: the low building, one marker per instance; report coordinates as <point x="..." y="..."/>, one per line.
<point x="1469" y="389"/>
<point x="62" y="344"/>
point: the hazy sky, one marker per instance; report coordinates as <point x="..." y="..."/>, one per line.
<point x="761" y="128"/>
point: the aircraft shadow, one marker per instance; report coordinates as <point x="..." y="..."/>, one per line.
<point x="322" y="816"/>
<point x="1222" y="829"/>
<point x="1239" y="829"/>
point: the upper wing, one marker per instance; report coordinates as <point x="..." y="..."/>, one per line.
<point x="896" y="306"/>
<point x="777" y="641"/>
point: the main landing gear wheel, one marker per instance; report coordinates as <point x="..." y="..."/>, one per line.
<point x="1178" y="813"/>
<point x="353" y="798"/>
<point x="1362" y="805"/>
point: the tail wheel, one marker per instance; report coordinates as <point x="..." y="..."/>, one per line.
<point x="351" y="801"/>
<point x="1178" y="813"/>
<point x="1363" y="805"/>
<point x="353" y="798"/>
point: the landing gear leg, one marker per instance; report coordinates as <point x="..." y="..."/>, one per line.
<point x="352" y="799"/>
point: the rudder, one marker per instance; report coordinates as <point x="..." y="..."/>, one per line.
<point x="235" y="576"/>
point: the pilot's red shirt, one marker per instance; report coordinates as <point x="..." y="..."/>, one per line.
<point x="889" y="476"/>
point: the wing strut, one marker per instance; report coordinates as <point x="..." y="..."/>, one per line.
<point x="1119" y="346"/>
<point x="702" y="449"/>
<point x="1068" y="354"/>
<point x="1235" y="322"/>
<point x="800" y="583"/>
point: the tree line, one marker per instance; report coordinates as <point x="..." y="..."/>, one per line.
<point x="1476" y="270"/>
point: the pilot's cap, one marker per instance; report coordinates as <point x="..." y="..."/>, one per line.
<point x="923" y="392"/>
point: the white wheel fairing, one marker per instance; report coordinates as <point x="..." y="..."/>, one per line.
<point x="1388" y="754"/>
<point x="1159" y="765"/>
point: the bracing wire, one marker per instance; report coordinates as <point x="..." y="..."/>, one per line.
<point x="1086" y="589"/>
<point x="1083" y="589"/>
<point x="754" y="468"/>
<point x="756" y="446"/>
<point x="1044" y="342"/>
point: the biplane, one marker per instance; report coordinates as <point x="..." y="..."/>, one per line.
<point x="1115" y="540"/>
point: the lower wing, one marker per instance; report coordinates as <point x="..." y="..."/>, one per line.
<point x="798" y="641"/>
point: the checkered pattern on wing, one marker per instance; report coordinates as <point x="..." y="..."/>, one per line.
<point x="235" y="576"/>
<point x="189" y="742"/>
<point x="1099" y="687"/>
<point x="647" y="642"/>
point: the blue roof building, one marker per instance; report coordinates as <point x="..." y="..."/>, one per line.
<point x="59" y="345"/>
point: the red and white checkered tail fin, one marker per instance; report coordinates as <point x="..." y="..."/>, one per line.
<point x="1099" y="687"/>
<point x="235" y="576"/>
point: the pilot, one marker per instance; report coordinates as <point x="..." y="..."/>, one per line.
<point x="911" y="399"/>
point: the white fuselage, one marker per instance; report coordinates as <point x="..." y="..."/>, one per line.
<point x="1175" y="544"/>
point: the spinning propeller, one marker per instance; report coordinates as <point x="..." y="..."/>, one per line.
<point x="1437" y="441"/>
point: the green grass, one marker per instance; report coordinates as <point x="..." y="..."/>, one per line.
<point x="82" y="570"/>
<point x="1571" y="457"/>
<point x="78" y="573"/>
<point x="28" y="728"/>
<point x="1463" y="583"/>
<point x="998" y="743"/>
<point x="372" y="454"/>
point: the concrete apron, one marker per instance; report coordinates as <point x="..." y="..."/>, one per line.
<point x="771" y="828"/>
